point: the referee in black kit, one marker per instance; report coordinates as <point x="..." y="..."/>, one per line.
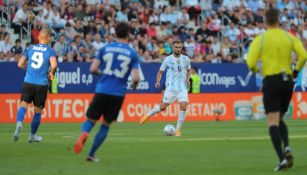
<point x="274" y="49"/>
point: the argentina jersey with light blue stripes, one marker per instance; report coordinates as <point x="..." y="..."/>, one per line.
<point x="176" y="75"/>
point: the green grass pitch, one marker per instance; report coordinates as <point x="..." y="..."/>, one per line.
<point x="213" y="148"/>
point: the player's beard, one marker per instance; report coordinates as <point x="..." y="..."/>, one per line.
<point x="177" y="53"/>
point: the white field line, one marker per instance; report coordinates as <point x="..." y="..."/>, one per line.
<point x="182" y="139"/>
<point x="185" y="139"/>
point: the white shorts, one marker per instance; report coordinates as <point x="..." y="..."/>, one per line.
<point x="170" y="96"/>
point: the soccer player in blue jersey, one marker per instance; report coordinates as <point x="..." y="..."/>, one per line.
<point x="114" y="63"/>
<point x="177" y="83"/>
<point x="40" y="64"/>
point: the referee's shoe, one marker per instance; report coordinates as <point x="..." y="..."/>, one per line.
<point x="288" y="155"/>
<point x="282" y="166"/>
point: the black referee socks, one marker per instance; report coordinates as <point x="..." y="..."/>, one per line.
<point x="284" y="133"/>
<point x="276" y="140"/>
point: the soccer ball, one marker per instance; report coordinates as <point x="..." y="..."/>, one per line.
<point x="169" y="130"/>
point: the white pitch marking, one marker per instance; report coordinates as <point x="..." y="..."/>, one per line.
<point x="176" y="139"/>
<point x="180" y="139"/>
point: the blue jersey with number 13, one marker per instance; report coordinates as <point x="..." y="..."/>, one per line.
<point x="117" y="61"/>
<point x="38" y="57"/>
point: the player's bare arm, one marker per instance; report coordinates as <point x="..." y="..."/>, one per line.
<point x="22" y="62"/>
<point x="135" y="78"/>
<point x="158" y="79"/>
<point x="53" y="66"/>
<point x="95" y="67"/>
<point x="188" y="78"/>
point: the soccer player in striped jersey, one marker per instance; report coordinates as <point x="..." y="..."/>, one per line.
<point x="177" y="82"/>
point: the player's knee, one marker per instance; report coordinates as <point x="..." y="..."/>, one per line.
<point x="106" y="123"/>
<point x="91" y="120"/>
<point x="163" y="106"/>
<point x="184" y="106"/>
<point x="24" y="104"/>
<point x="273" y="118"/>
<point x="38" y="110"/>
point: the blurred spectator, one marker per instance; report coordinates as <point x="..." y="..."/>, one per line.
<point x="193" y="8"/>
<point x="206" y="7"/>
<point x="230" y="4"/>
<point x="70" y="32"/>
<point x="61" y="48"/>
<point x="189" y="47"/>
<point x="2" y="31"/>
<point x="160" y="3"/>
<point x="305" y="31"/>
<point x="20" y="18"/>
<point x="88" y="47"/>
<point x="152" y="30"/>
<point x="16" y="50"/>
<point x="72" y="52"/>
<point x="97" y="44"/>
<point x="5" y="48"/>
<point x="90" y="28"/>
<point x="203" y="31"/>
<point x="217" y="58"/>
<point x="39" y="20"/>
<point x="212" y="31"/>
<point x="232" y="32"/>
<point x="225" y="47"/>
<point x="48" y="13"/>
<point x="82" y="51"/>
<point x="122" y="15"/>
<point x="153" y="17"/>
<point x="183" y="16"/>
<point x="79" y="28"/>
<point x="79" y="13"/>
<point x="293" y="30"/>
<point x="57" y="21"/>
<point x="216" y="46"/>
<point x="249" y="30"/>
<point x="254" y="5"/>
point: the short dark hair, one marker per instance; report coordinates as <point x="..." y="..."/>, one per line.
<point x="177" y="42"/>
<point x="17" y="41"/>
<point x="272" y="16"/>
<point x="122" y="30"/>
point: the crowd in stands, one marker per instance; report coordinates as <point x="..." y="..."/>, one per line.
<point x="212" y="31"/>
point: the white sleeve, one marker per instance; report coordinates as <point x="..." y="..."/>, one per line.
<point x="189" y="63"/>
<point x="163" y="65"/>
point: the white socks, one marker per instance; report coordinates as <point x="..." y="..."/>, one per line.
<point x="180" y="120"/>
<point x="155" y="110"/>
<point x="181" y="117"/>
<point x="19" y="124"/>
<point x="288" y="149"/>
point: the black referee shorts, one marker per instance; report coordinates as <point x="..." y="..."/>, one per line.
<point x="34" y="93"/>
<point x="106" y="105"/>
<point x="277" y="93"/>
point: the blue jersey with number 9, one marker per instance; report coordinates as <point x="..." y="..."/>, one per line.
<point x="38" y="57"/>
<point x="117" y="61"/>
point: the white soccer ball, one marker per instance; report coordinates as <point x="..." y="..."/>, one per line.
<point x="169" y="130"/>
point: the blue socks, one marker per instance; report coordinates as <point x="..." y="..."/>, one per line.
<point x="21" y="114"/>
<point x="87" y="126"/>
<point x="35" y="122"/>
<point x="99" y="138"/>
